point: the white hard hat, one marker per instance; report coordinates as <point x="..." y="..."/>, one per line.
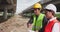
<point x="51" y="7"/>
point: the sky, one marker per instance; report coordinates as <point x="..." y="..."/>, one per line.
<point x="23" y="4"/>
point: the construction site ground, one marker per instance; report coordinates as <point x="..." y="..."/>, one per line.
<point x="14" y="24"/>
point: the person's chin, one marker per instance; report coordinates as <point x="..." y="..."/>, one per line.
<point x="35" y="14"/>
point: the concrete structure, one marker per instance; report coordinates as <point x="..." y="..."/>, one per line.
<point x="24" y="4"/>
<point x="57" y="4"/>
<point x="44" y="3"/>
<point x="7" y="6"/>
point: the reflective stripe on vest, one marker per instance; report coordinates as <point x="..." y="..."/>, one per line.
<point x="37" y="24"/>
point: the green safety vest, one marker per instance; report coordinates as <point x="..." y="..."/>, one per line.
<point x="37" y="24"/>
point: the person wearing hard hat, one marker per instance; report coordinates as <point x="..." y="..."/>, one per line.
<point x="38" y="20"/>
<point x="53" y="23"/>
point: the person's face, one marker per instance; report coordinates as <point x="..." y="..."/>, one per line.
<point x="36" y="11"/>
<point x="48" y="14"/>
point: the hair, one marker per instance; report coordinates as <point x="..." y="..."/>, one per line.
<point x="53" y="13"/>
<point x="58" y="19"/>
<point x="37" y="8"/>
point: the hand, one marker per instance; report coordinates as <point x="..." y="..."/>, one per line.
<point x="30" y="31"/>
<point x="30" y="26"/>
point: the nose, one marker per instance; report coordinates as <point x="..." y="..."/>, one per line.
<point x="35" y="11"/>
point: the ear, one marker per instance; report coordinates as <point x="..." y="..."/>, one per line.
<point x="40" y="10"/>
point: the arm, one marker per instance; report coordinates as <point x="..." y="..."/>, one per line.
<point x="55" y="27"/>
<point x="29" y="23"/>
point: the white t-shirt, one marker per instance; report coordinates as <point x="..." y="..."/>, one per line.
<point x="56" y="27"/>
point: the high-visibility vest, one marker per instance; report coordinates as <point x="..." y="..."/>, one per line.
<point x="49" y="26"/>
<point x="37" y="24"/>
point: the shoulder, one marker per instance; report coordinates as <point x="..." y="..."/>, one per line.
<point x="56" y="25"/>
<point x="45" y="18"/>
<point x="42" y="14"/>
